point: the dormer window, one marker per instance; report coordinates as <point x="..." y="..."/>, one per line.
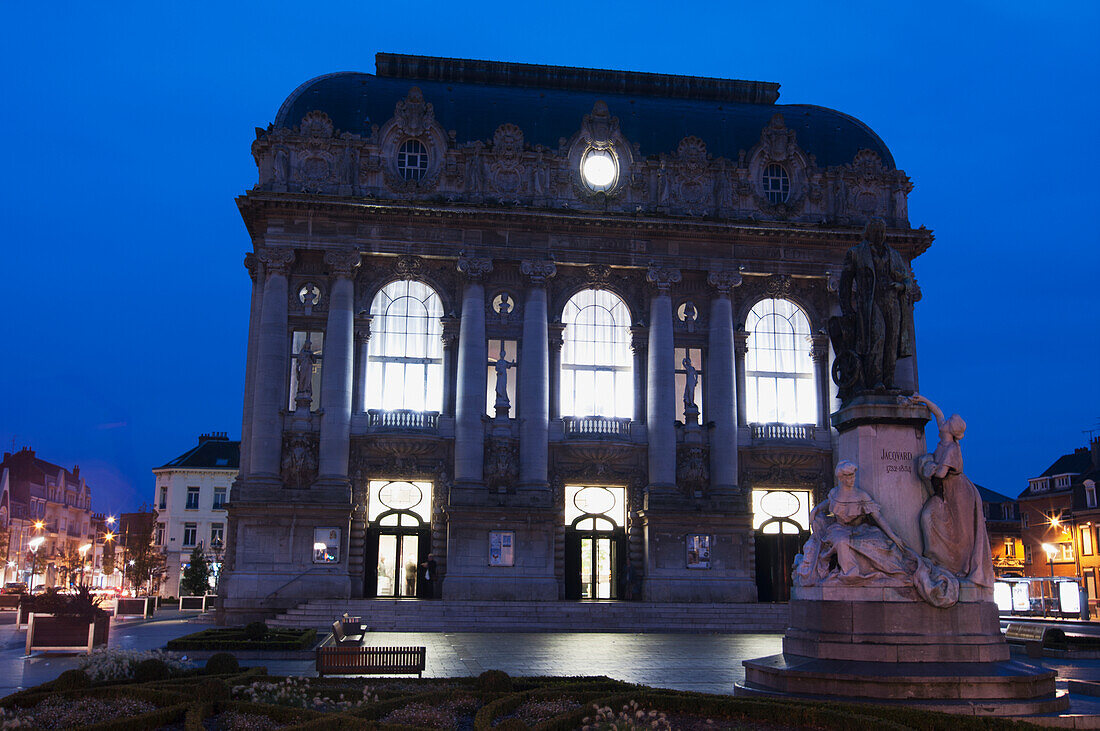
<point x="412" y="160"/>
<point x="777" y="184"/>
<point x="1061" y="481"/>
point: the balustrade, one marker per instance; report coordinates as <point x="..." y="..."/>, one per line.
<point x="789" y="432"/>
<point x="402" y="420"/>
<point x="596" y="427"/>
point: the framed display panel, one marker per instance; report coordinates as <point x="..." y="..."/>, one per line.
<point x="502" y="548"/>
<point x="698" y="551"/>
<point x="326" y="545"/>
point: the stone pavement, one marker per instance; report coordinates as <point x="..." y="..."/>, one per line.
<point x="709" y="663"/>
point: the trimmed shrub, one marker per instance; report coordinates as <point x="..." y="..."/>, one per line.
<point x="222" y="663"/>
<point x="255" y="631"/>
<point x="511" y="724"/>
<point x="72" y="680"/>
<point x="211" y="689"/>
<point x="495" y="681"/>
<point x="151" y="669"/>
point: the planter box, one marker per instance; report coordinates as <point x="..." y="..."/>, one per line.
<point x="141" y="606"/>
<point x="197" y="603"/>
<point x="49" y="633"/>
<point x="26" y="606"/>
<point x="9" y="601"/>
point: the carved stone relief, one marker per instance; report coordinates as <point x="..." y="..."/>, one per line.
<point x="299" y="463"/>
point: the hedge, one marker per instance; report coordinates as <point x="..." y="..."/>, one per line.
<point x="234" y="639"/>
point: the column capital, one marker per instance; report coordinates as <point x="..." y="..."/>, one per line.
<point x="474" y="267"/>
<point x="450" y="331"/>
<point x="276" y="261"/>
<point x="556" y="336"/>
<point x="663" y="277"/>
<point x="741" y="341"/>
<point x="724" y="281"/>
<point x="362" y="330"/>
<point x="254" y="266"/>
<point x="537" y="272"/>
<point x="342" y="263"/>
<point x="639" y="338"/>
<point x="819" y="347"/>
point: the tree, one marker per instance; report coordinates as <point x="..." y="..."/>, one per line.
<point x="143" y="560"/>
<point x="108" y="557"/>
<point x="68" y="562"/>
<point x="196" y="577"/>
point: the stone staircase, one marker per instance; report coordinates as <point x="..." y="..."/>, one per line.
<point x="411" y="615"/>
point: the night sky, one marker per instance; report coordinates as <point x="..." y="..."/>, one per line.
<point x="128" y="125"/>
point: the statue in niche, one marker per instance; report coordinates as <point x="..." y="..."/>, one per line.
<point x="281" y="166"/>
<point x="304" y="371"/>
<point x="952" y="522"/>
<point x="691" y="380"/>
<point x="875" y="326"/>
<point x="502" y="365"/>
<point x="474" y="174"/>
<point x="852" y="545"/>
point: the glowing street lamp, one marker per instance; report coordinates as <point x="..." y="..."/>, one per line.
<point x="1051" y="551"/>
<point x="110" y="520"/>
<point x="34" y="544"/>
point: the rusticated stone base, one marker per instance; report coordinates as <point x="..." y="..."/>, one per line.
<point x="1008" y="688"/>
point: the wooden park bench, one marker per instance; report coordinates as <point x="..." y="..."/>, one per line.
<point x="341" y="638"/>
<point x="333" y="659"/>
<point x="1034" y="636"/>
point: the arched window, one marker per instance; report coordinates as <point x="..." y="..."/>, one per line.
<point x="597" y="366"/>
<point x="405" y="354"/>
<point x="779" y="374"/>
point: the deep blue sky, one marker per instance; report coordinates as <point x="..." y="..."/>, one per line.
<point x="128" y="125"/>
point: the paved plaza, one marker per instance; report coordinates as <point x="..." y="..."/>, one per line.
<point x="709" y="663"/>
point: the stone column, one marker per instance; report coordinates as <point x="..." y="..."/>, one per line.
<point x="534" y="376"/>
<point x="661" y="386"/>
<point x="741" y="349"/>
<point x="256" y="273"/>
<point x="722" y="383"/>
<point x="271" y="367"/>
<point x="450" y="339"/>
<point x="473" y="359"/>
<point x="819" y="353"/>
<point x="555" y="340"/>
<point x="362" y="345"/>
<point x="336" y="373"/>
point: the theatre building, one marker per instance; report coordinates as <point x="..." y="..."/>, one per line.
<point x="563" y="329"/>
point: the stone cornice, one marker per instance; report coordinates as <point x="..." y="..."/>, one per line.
<point x="911" y="242"/>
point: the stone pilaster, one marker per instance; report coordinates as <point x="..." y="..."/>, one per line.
<point x="362" y="349"/>
<point x="555" y="341"/>
<point x="741" y="349"/>
<point x="472" y="357"/>
<point x="661" y="382"/>
<point x="639" y="346"/>
<point x="534" y="376"/>
<point x="819" y="354"/>
<point x="722" y="384"/>
<point x="256" y="274"/>
<point x="266" y="434"/>
<point x="450" y="341"/>
<point x="336" y="375"/>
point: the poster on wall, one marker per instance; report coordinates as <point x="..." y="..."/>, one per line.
<point x="502" y="548"/>
<point x="698" y="551"/>
<point x="326" y="545"/>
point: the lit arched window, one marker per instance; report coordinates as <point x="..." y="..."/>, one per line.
<point x="405" y="355"/>
<point x="597" y="366"/>
<point x="779" y="374"/>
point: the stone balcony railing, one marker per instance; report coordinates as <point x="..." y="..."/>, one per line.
<point x="783" y="432"/>
<point x="596" y="427"/>
<point x="402" y="420"/>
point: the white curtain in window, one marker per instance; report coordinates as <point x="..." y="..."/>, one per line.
<point x="405" y="354"/>
<point x="597" y="365"/>
<point x="779" y="373"/>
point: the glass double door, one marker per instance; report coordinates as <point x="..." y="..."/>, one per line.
<point x="592" y="564"/>
<point x="393" y="567"/>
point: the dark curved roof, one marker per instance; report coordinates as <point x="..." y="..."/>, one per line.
<point x="655" y="117"/>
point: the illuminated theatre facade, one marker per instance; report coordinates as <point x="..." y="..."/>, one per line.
<point x="610" y="238"/>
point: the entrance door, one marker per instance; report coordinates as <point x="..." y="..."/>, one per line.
<point x="393" y="562"/>
<point x="775" y="552"/>
<point x="593" y="563"/>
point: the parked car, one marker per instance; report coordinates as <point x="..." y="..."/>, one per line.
<point x="14" y="587"/>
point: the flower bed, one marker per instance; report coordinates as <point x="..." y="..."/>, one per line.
<point x="251" y="700"/>
<point x="234" y="638"/>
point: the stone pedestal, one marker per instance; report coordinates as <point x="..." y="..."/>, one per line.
<point x="879" y="641"/>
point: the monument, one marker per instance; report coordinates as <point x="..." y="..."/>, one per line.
<point x="893" y="591"/>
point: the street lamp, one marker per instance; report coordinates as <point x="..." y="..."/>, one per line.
<point x="34" y="544"/>
<point x="1051" y="551"/>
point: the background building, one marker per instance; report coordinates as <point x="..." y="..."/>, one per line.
<point x="562" y="328"/>
<point x="191" y="493"/>
<point x="48" y="502"/>
<point x="1002" y="524"/>
<point x="1060" y="518"/>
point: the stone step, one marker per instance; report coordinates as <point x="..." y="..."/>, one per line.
<point x="486" y="616"/>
